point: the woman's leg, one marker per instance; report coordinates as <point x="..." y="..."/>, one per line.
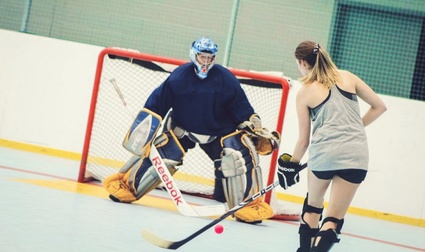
<point x="341" y="195"/>
<point x="312" y="211"/>
<point x="316" y="193"/>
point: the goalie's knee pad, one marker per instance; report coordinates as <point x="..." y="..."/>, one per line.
<point x="306" y="232"/>
<point x="139" y="176"/>
<point x="325" y="239"/>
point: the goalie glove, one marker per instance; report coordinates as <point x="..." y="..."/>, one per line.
<point x="265" y="141"/>
<point x="288" y="172"/>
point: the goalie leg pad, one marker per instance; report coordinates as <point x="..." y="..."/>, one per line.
<point x="235" y="169"/>
<point x="146" y="179"/>
<point x="142" y="177"/>
<point x="241" y="177"/>
<point x="258" y="210"/>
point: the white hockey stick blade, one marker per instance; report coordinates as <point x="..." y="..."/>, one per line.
<point x="170" y="185"/>
<point x="156" y="240"/>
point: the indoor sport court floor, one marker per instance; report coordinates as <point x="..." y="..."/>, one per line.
<point x="42" y="208"/>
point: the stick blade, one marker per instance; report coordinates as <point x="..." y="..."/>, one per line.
<point x="158" y="241"/>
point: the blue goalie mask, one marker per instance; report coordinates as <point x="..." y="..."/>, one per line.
<point x="202" y="54"/>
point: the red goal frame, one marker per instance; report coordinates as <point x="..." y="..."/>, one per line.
<point x="147" y="57"/>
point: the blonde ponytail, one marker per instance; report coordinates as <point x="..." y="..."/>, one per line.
<point x="323" y="69"/>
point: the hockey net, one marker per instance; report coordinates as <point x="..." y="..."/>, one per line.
<point x="137" y="75"/>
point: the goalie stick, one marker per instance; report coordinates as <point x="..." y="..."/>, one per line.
<point x="170" y="185"/>
<point x="167" y="180"/>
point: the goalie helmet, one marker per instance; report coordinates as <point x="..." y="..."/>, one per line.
<point x="202" y="54"/>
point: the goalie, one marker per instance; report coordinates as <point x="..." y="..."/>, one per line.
<point x="209" y="108"/>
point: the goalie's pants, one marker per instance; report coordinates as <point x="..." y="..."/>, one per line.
<point x="213" y="150"/>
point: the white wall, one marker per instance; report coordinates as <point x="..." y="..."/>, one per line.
<point x="45" y="91"/>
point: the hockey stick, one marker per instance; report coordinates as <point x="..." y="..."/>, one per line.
<point x="167" y="244"/>
<point x="120" y="95"/>
<point x="166" y="178"/>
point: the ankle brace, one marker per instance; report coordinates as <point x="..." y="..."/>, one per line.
<point x="327" y="237"/>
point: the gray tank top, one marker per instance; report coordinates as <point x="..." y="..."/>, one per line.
<point x="338" y="138"/>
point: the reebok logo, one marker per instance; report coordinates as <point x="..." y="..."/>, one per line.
<point x="156" y="161"/>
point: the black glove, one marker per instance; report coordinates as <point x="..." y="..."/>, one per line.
<point x="288" y="172"/>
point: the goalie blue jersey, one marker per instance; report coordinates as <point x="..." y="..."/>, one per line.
<point x="212" y="106"/>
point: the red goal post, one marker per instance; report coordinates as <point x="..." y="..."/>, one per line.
<point x="137" y="75"/>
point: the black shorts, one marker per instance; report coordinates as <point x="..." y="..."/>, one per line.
<point x="355" y="176"/>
